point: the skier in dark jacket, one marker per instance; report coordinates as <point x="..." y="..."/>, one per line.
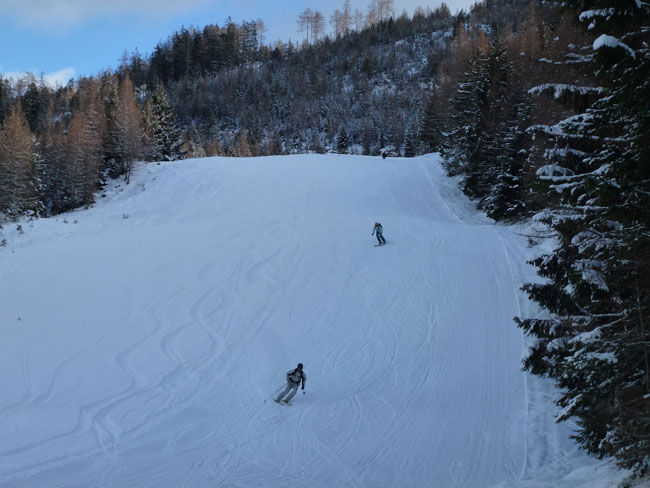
<point x="294" y="378"/>
<point x="379" y="232"/>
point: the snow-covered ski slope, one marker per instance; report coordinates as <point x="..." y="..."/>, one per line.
<point x="141" y="340"/>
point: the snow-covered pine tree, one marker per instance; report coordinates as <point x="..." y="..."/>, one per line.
<point x="342" y="143"/>
<point x="596" y="344"/>
<point x="410" y="143"/>
<point x="507" y="111"/>
<point x="486" y="139"/>
<point x="462" y="147"/>
<point x="164" y="135"/>
<point x="505" y="200"/>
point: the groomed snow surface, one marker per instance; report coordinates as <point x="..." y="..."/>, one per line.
<point x="141" y="339"/>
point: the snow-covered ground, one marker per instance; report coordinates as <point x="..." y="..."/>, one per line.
<point x="141" y="340"/>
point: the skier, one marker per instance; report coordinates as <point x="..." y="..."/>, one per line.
<point x="379" y="231"/>
<point x="294" y="378"/>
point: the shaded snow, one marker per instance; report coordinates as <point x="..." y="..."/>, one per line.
<point x="560" y="89"/>
<point x="589" y="14"/>
<point x="553" y="170"/>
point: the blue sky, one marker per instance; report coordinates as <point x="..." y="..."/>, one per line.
<point x="67" y="38"/>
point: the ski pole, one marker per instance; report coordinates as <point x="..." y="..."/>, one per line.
<point x="272" y="394"/>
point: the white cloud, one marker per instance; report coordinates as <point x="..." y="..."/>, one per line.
<point x="57" y="78"/>
<point x="63" y="14"/>
<point x="60" y="77"/>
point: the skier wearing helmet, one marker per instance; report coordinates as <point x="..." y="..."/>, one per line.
<point x="378" y="231"/>
<point x="294" y="378"/>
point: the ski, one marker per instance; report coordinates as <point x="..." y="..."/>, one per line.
<point x="283" y="403"/>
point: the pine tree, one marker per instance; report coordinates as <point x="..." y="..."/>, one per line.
<point x="485" y="140"/>
<point x="596" y="343"/>
<point x="5" y="99"/>
<point x="462" y="147"/>
<point x="53" y="154"/>
<point x="164" y="135"/>
<point x="125" y="129"/>
<point x="111" y="144"/>
<point x="35" y="102"/>
<point x="432" y="125"/>
<point x="343" y="143"/>
<point x="505" y="200"/>
<point x="18" y="177"/>
<point x="410" y="143"/>
<point x="83" y="159"/>
<point x="502" y="169"/>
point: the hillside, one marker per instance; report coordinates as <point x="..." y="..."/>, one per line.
<point x="142" y="339"/>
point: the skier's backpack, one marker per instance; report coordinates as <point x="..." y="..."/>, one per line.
<point x="293" y="373"/>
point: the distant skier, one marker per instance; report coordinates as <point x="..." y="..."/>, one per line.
<point x="384" y="154"/>
<point x="379" y="232"/>
<point x="294" y="378"/>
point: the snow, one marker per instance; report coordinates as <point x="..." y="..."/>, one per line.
<point x="605" y="40"/>
<point x="560" y="89"/>
<point x="607" y="357"/>
<point x="589" y="14"/>
<point x="143" y="351"/>
<point x="563" y="152"/>
<point x="553" y="170"/>
<point x="593" y="277"/>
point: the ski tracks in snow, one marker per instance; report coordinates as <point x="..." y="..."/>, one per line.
<point x="411" y="356"/>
